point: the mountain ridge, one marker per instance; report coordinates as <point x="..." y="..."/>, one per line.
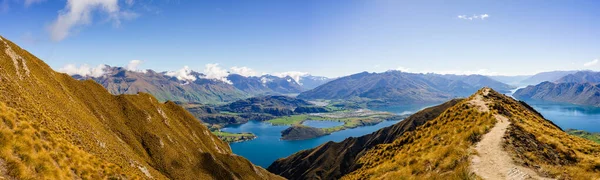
<point x="444" y="147"/>
<point x="196" y="88"/>
<point x="568" y="92"/>
<point x="396" y="87"/>
<point x="308" y="164"/>
<point x="136" y="134"/>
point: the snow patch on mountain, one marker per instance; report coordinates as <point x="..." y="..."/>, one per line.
<point x="184" y="74"/>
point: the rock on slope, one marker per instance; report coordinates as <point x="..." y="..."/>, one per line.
<point x="56" y="127"/>
<point x="445" y="147"/>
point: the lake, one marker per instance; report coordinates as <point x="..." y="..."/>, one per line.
<point x="267" y="147"/>
<point x="569" y="116"/>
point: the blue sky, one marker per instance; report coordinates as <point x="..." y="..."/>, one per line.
<point x="321" y="37"/>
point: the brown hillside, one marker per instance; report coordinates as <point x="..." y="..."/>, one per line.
<point x="56" y="127"/>
<point x="333" y="160"/>
<point x="443" y="147"/>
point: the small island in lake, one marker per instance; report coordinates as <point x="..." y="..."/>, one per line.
<point x="348" y="118"/>
<point x="301" y="132"/>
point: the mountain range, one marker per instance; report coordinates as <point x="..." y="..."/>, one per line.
<point x="582" y="88"/>
<point x="396" y="87"/>
<point x="546" y="76"/>
<point x="53" y="126"/>
<point x="196" y="88"/>
<point x="258" y="108"/>
<point x="56" y="127"/>
<point x="487" y="135"/>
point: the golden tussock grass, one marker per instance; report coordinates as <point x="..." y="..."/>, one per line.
<point x="439" y="148"/>
<point x="539" y="144"/>
<point x="28" y="151"/>
<point x="137" y="134"/>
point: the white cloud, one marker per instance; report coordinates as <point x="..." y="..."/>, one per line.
<point x="403" y="69"/>
<point x="84" y="70"/>
<point x="591" y="63"/>
<point x="243" y="71"/>
<point x="474" y="17"/>
<point x="184" y="74"/>
<point x="296" y="75"/>
<point x="133" y="65"/>
<point x="213" y="71"/>
<point x="483" y="16"/>
<point x="79" y="12"/>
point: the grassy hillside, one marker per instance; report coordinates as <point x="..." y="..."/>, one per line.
<point x="437" y="149"/>
<point x="587" y="135"/>
<point x="333" y="160"/>
<point x="128" y="135"/>
<point x="442" y="147"/>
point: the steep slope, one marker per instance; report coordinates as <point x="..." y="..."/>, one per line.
<point x="266" y="84"/>
<point x="251" y="85"/>
<point x="118" y="80"/>
<point x="571" y="92"/>
<point x="457" y="142"/>
<point x="452" y="146"/>
<point x="581" y="77"/>
<point x="395" y="87"/>
<point x="333" y="160"/>
<point x="285" y="85"/>
<point x="391" y="86"/>
<point x="56" y="127"/>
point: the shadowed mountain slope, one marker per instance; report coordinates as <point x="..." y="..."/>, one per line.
<point x="396" y="87"/>
<point x="546" y="76"/>
<point x="581" y="77"/>
<point x="569" y="92"/>
<point x="460" y="143"/>
<point x="118" y="80"/>
<point x="332" y="160"/>
<point x="56" y="127"/>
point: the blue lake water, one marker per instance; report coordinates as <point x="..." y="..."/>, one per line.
<point x="322" y="124"/>
<point x="569" y="116"/>
<point x="267" y="147"/>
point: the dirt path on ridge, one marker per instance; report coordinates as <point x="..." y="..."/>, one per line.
<point x="492" y="162"/>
